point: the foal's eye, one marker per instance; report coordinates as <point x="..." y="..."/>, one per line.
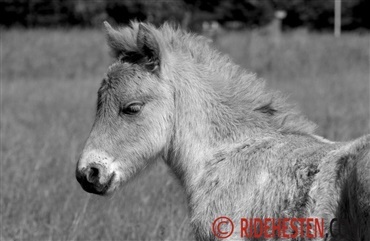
<point x="122" y="58"/>
<point x="132" y="108"/>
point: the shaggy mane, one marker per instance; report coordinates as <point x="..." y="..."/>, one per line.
<point x="235" y="86"/>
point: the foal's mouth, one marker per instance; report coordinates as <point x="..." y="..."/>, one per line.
<point x="97" y="187"/>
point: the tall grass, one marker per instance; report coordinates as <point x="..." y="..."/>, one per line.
<point x="327" y="77"/>
<point x="48" y="92"/>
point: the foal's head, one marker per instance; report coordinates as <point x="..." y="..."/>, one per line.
<point x="134" y="112"/>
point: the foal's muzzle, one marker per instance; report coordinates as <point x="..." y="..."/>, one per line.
<point x="93" y="175"/>
<point x="93" y="179"/>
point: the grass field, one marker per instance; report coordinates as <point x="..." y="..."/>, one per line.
<point x="49" y="80"/>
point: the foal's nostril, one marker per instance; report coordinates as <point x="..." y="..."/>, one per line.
<point x="92" y="174"/>
<point x="95" y="178"/>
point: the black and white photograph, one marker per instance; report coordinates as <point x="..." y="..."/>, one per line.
<point x="188" y="120"/>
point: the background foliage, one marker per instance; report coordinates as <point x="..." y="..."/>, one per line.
<point x="313" y="14"/>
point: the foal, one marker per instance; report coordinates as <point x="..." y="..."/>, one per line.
<point x="239" y="150"/>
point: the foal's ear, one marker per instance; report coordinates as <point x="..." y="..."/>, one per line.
<point x="120" y="41"/>
<point x="149" y="46"/>
<point x="114" y="38"/>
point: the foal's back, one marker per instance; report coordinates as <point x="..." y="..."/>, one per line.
<point x="289" y="175"/>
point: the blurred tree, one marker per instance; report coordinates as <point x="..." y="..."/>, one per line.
<point x="87" y="13"/>
<point x="319" y="15"/>
<point x="314" y="14"/>
<point x="122" y="11"/>
<point x="161" y="11"/>
<point x="250" y="12"/>
<point x="356" y="14"/>
<point x="247" y="12"/>
<point x="13" y="12"/>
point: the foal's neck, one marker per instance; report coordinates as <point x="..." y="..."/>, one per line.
<point x="203" y="126"/>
